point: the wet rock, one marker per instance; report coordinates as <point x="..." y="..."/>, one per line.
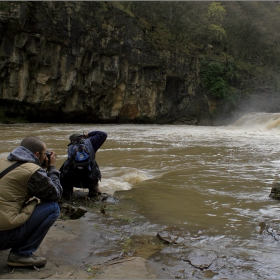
<point x="107" y="197"/>
<point x="166" y="237"/>
<point x="267" y="230"/>
<point x="173" y="235"/>
<point x="272" y="232"/>
<point x="80" y="194"/>
<point x="201" y="259"/>
<point x="128" y="268"/>
<point x="261" y="227"/>
<point x="275" y="191"/>
<point x="66" y="210"/>
<point x="210" y="274"/>
<point x="76" y="206"/>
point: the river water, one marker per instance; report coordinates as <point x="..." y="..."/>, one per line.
<point x="213" y="182"/>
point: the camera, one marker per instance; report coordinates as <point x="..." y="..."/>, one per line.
<point x="48" y="154"/>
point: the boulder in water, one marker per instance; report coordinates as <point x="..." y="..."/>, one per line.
<point x="275" y="191"/>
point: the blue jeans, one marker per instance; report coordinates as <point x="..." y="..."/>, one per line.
<point x="25" y="239"/>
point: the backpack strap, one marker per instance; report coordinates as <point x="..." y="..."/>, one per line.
<point x="10" y="168"/>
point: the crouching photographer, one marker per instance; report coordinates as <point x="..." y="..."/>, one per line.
<point x="80" y="168"/>
<point x="24" y="221"/>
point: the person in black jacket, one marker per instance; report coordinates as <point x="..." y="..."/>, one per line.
<point x="93" y="140"/>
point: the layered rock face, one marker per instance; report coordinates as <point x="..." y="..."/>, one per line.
<point x="89" y="62"/>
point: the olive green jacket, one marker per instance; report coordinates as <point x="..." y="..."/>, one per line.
<point x="16" y="205"/>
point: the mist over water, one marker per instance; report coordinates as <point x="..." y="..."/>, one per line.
<point x="263" y="121"/>
<point x="213" y="181"/>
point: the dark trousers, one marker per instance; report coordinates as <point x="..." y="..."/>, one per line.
<point x="26" y="239"/>
<point x="69" y="183"/>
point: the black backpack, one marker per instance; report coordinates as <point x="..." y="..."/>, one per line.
<point x="79" y="157"/>
<point x="80" y="163"/>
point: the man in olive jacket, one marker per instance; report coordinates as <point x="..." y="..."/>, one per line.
<point x="28" y="200"/>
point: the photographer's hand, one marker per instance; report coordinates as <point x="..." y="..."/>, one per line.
<point x="52" y="160"/>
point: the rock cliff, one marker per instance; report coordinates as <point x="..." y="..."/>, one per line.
<point x="89" y="62"/>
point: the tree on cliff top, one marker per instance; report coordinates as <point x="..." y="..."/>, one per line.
<point x="213" y="32"/>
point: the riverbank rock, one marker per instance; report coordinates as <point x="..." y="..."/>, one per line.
<point x="200" y="259"/>
<point x="275" y="191"/>
<point x="127" y="268"/>
<point x="173" y="235"/>
<point x="84" y="248"/>
<point x="67" y="210"/>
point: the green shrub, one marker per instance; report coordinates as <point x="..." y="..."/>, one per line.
<point x="216" y="77"/>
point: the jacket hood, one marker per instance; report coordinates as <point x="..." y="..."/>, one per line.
<point x="22" y="154"/>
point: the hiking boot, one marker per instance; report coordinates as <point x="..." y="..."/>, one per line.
<point x="93" y="193"/>
<point x="16" y="260"/>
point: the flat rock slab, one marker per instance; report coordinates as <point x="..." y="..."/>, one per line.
<point x="128" y="268"/>
<point x="200" y="259"/>
<point x="173" y="235"/>
<point x="74" y="251"/>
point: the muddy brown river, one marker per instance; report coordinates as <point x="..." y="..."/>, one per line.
<point x="210" y="183"/>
